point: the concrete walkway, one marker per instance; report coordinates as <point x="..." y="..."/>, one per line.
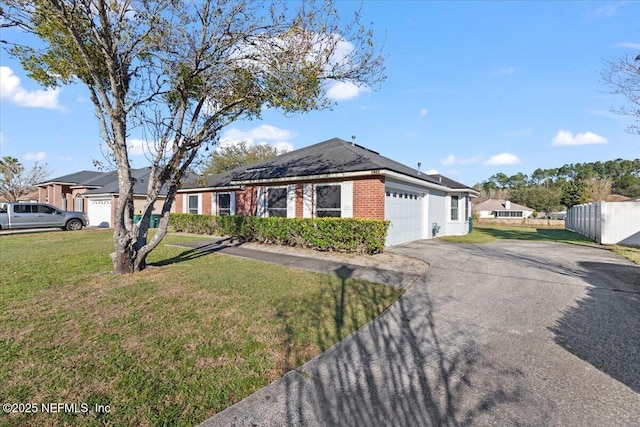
<point x="508" y="333"/>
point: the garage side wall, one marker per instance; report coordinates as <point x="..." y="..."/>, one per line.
<point x="438" y="210"/>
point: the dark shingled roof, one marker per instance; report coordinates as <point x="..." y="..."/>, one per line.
<point x="109" y="183"/>
<point x="76" y="178"/>
<point x="328" y="157"/>
<point x="448" y="182"/>
<point x="221" y="180"/>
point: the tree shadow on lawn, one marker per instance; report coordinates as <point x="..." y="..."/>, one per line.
<point x="397" y="370"/>
<point x="198" y="249"/>
<point x="540" y="234"/>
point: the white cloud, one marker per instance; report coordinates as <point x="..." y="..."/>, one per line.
<point x="340" y="91"/>
<point x="11" y="89"/>
<point x="503" y="159"/>
<point x="36" y="157"/>
<point x="263" y="134"/>
<point x="2" y="140"/>
<point x="608" y="9"/>
<point x="137" y="147"/>
<point x="505" y="71"/>
<point x="635" y="46"/>
<point x="424" y="112"/>
<point x="431" y="171"/>
<point x="564" y="137"/>
<point x="454" y="160"/>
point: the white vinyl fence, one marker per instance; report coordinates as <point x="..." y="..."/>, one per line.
<point x="607" y="223"/>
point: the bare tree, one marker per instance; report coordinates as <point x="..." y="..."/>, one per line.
<point x="181" y="71"/>
<point x="15" y="181"/>
<point x="623" y="77"/>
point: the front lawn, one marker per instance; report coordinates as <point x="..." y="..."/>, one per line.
<point x="491" y="233"/>
<point x="172" y="345"/>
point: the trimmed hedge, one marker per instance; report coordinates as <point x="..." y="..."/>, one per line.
<point x="361" y="236"/>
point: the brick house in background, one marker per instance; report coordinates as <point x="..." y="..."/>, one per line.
<point x="95" y="193"/>
<point x="336" y="178"/>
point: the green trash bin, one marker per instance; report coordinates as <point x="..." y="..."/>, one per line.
<point x="470" y="224"/>
<point x="155" y="221"/>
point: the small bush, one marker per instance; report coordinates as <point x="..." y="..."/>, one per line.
<point x="362" y="236"/>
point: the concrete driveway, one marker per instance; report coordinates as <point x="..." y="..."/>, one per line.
<point x="508" y="333"/>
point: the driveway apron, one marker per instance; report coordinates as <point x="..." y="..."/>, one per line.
<point x="507" y="333"/>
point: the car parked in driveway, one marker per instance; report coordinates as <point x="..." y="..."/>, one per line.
<point x="39" y="215"/>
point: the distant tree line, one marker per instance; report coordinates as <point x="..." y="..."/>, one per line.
<point x="548" y="190"/>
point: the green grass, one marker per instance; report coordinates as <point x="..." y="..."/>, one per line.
<point x="172" y="345"/>
<point x="488" y="234"/>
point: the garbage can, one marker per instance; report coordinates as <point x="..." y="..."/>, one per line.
<point x="137" y="218"/>
<point x="155" y="221"/>
<point x="470" y="224"/>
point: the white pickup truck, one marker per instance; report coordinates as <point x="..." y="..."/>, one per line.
<point x="39" y="215"/>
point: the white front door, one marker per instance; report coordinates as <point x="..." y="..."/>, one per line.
<point x="99" y="212"/>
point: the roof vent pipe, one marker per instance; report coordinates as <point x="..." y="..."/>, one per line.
<point x="419" y="164"/>
<point x="507" y="204"/>
<point x="353" y="140"/>
<point x="440" y="179"/>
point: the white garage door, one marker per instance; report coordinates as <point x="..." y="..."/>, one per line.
<point x="405" y="211"/>
<point x="99" y="212"/>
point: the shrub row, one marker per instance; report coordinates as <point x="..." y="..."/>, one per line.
<point x="361" y="236"/>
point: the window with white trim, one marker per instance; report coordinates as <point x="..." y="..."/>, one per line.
<point x="277" y="201"/>
<point x="224" y="204"/>
<point x="192" y="207"/>
<point x="455" y="202"/>
<point x="78" y="203"/>
<point x="328" y="198"/>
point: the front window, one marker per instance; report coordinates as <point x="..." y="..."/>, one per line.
<point x="78" y="206"/>
<point x="193" y="203"/>
<point x="328" y="200"/>
<point x="224" y="204"/>
<point x="455" y="201"/>
<point x="277" y="202"/>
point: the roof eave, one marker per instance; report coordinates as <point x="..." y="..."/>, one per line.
<point x="200" y="189"/>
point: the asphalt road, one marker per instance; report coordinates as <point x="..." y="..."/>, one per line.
<point x="507" y="333"/>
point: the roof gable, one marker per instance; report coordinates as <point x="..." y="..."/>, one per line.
<point x="499" y="205"/>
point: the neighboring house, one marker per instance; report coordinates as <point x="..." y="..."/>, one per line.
<point x="336" y="178"/>
<point x="27" y="198"/>
<point x="95" y="193"/>
<point x="499" y="208"/>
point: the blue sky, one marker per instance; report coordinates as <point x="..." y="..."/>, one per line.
<point x="472" y="89"/>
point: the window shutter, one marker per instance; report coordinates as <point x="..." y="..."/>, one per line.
<point x="214" y="204"/>
<point x="346" y="199"/>
<point x="307" y="192"/>
<point x="291" y="201"/>
<point x="261" y="204"/>
<point x="233" y="203"/>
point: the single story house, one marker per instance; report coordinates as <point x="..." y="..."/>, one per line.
<point x="95" y="193"/>
<point x="500" y="208"/>
<point x="336" y="178"/>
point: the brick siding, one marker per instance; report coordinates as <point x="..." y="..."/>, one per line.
<point x="368" y="198"/>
